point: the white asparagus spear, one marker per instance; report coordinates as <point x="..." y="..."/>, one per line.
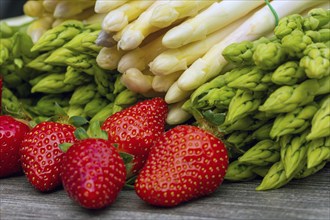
<point x="136" y="81"/>
<point x="208" y="21"/>
<point x="105" y="6"/>
<point x="163" y="83"/>
<point x="140" y="57"/>
<point x="118" y="18"/>
<point x="108" y="58"/>
<point x="175" y="94"/>
<point x="176" y="115"/>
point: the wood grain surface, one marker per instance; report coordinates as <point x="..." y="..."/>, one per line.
<point x="307" y="198"/>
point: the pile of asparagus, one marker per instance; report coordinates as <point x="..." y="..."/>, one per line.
<point x="60" y="68"/>
<point x="273" y="107"/>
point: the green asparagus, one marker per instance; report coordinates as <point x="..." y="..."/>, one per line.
<point x="316" y="60"/>
<point x="293" y="122"/>
<point x="289" y="73"/>
<point x="58" y="36"/>
<point x="264" y="153"/>
<point x="321" y="121"/>
<point x="268" y="56"/>
<point x="52" y="84"/>
<point x="318" y="151"/>
<point x="239" y="172"/>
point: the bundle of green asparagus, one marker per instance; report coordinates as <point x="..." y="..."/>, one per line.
<point x="60" y="68"/>
<point x="273" y="107"/>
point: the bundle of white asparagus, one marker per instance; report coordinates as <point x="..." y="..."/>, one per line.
<point x="167" y="47"/>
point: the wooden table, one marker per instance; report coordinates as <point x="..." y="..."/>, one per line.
<point x="307" y="198"/>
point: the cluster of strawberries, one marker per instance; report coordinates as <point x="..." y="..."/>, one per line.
<point x="168" y="167"/>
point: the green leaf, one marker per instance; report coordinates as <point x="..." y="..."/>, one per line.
<point x="78" y="121"/>
<point x="65" y="146"/>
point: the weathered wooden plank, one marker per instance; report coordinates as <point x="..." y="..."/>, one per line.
<point x="308" y="198"/>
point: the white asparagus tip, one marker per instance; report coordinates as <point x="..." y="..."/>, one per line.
<point x="177" y="36"/>
<point x="114" y="21"/>
<point x="166" y="64"/>
<point x="136" y="81"/>
<point x="130" y="39"/>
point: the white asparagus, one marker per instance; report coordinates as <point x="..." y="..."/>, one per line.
<point x="259" y="24"/>
<point x="118" y="18"/>
<point x="175" y="94"/>
<point x="49" y="5"/>
<point x="176" y="115"/>
<point x="105" y="6"/>
<point x="33" y="8"/>
<point x="163" y="83"/>
<point x="136" y="81"/>
<point x="95" y="18"/>
<point x="108" y="58"/>
<point x="141" y="56"/>
<point x="68" y="9"/>
<point x="178" y="59"/>
<point x="208" y="21"/>
<point x="166" y="14"/>
<point x="135" y="32"/>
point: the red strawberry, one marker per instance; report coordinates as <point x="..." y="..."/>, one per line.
<point x="12" y="133"/>
<point x="186" y="163"/>
<point x="93" y="173"/>
<point x="41" y="155"/>
<point x="136" y="128"/>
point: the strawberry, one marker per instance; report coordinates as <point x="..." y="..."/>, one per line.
<point x="12" y="133"/>
<point x="41" y="155"/>
<point x="93" y="173"/>
<point x="134" y="129"/>
<point x="185" y="163"/>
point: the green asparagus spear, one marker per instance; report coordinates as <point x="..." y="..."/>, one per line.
<point x="316" y="19"/>
<point x="65" y="57"/>
<point x="247" y="123"/>
<point x="316" y="60"/>
<point x="242" y="104"/>
<point x="239" y="172"/>
<point x="118" y="86"/>
<point x="241" y="53"/>
<point x="321" y="121"/>
<point x="261" y="171"/>
<point x="58" y="36"/>
<point x="318" y="151"/>
<point x="53" y="84"/>
<point x="10" y="103"/>
<point x="84" y="43"/>
<point x="102" y="80"/>
<point x="322" y="35"/>
<point x="126" y="98"/>
<point x="239" y="141"/>
<point x="46" y="104"/>
<point x="309" y="171"/>
<point x="288" y="73"/>
<point x="256" y="80"/>
<point x="288" y="24"/>
<point x="83" y="94"/>
<point x="264" y="153"/>
<point x="201" y="91"/>
<point x="263" y="132"/>
<point x="288" y="98"/>
<point x="295" y="43"/>
<point x="217" y="97"/>
<point x="76" y="77"/>
<point x="104" y="113"/>
<point x="293" y="122"/>
<point x="94" y="106"/>
<point x="75" y="110"/>
<point x="275" y="178"/>
<point x="293" y="153"/>
<point x="39" y="64"/>
<point x="268" y="56"/>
